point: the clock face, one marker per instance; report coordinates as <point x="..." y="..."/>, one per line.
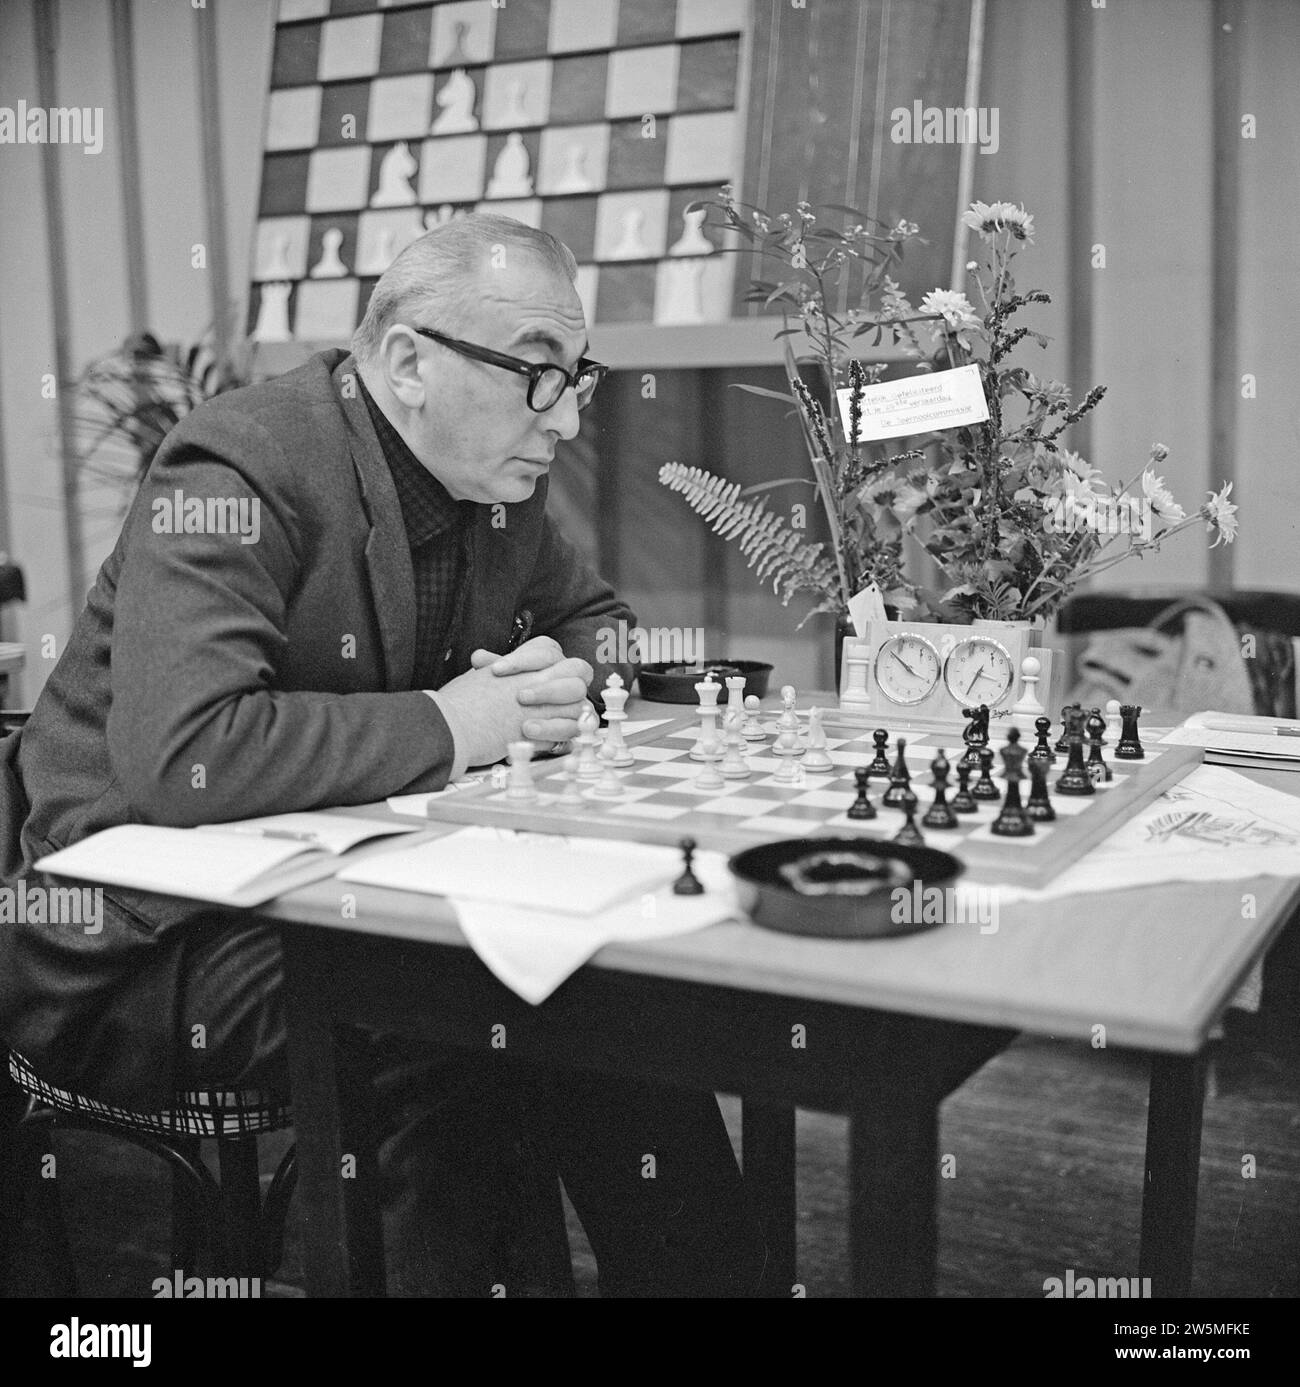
<point x="907" y="668"/>
<point x="978" y="671"/>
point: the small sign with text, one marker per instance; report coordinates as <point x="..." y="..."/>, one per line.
<point x="921" y="404"/>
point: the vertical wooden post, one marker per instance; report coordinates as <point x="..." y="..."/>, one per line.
<point x="124" y="87"/>
<point x="1224" y="359"/>
<point x="214" y="183"/>
<point x="47" y="41"/>
<point x="1080" y="207"/>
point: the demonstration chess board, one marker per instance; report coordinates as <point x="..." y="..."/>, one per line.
<point x="599" y="121"/>
<point x="660" y="803"/>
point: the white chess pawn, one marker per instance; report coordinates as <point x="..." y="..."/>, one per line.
<point x="752" y="729"/>
<point x="1114" y="722"/>
<point x="631" y="245"/>
<point x="575" y="178"/>
<point x="1028" y="703"/>
<point x="692" y="241"/>
<point x="609" y="786"/>
<point x="330" y="265"/>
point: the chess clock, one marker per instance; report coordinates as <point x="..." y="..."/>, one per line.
<point x="921" y="675"/>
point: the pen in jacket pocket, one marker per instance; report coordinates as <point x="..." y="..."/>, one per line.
<point x="522" y="629"/>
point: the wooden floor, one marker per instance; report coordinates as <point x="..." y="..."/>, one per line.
<point x="1047" y="1141"/>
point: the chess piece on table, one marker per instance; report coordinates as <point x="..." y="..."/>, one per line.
<point x="789" y="717"/>
<point x="1097" y="768"/>
<point x="511" y="174"/>
<point x="976" y="732"/>
<point x="909" y="835"/>
<point x="1039" y="805"/>
<point x="273" y="314"/>
<point x="733" y="757"/>
<point x="1130" y="747"/>
<point x="588" y="725"/>
<point x="787" y="740"/>
<point x="456" y="100"/>
<point x="330" y="265"/>
<point x="631" y="243"/>
<point x="396" y="170"/>
<point x="1114" y="723"/>
<point x="1074" y="779"/>
<point x="899" y="777"/>
<point x="1012" y="821"/>
<point x="1042" y="750"/>
<point x="862" y="807"/>
<point x="521" y="785"/>
<point x="615" y="697"/>
<point x="940" y="814"/>
<point x="688" y="884"/>
<point x="815" y="756"/>
<point x="692" y="241"/>
<point x="708" y="746"/>
<point x="1028" y="705"/>
<point x="571" y="795"/>
<point x="880" y="761"/>
<point x="984" y="788"/>
<point x="752" y="729"/>
<point x="963" y="802"/>
<point x="1064" y="744"/>
<point x="609" y="786"/>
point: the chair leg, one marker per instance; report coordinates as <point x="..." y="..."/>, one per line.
<point x="25" y="1145"/>
<point x="187" y="1213"/>
<point x="275" y="1211"/>
<point x="241" y="1207"/>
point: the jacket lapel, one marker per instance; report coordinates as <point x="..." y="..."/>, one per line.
<point x="388" y="555"/>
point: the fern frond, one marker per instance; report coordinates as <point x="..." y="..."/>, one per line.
<point x="770" y="547"/>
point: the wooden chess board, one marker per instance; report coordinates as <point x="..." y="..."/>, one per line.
<point x="661" y="804"/>
<point x="627" y="113"/>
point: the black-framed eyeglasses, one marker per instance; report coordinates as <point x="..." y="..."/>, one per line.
<point x="546" y="382"/>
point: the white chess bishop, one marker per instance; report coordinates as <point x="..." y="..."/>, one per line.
<point x="457" y="102"/>
<point x="511" y="174"/>
<point x="395" y="173"/>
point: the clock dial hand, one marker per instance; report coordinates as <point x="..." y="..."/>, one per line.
<point x="904" y="663"/>
<point x="978" y="676"/>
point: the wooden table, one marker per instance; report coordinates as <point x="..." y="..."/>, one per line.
<point x="889" y="1027"/>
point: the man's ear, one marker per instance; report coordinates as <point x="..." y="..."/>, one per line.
<point x="399" y="362"/>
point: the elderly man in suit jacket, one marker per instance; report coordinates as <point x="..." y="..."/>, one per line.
<point x="313" y="602"/>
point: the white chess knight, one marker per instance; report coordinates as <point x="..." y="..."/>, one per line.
<point x="631" y="242"/>
<point x="511" y="174"/>
<point x="273" y="314"/>
<point x="457" y="102"/>
<point x="330" y="265"/>
<point x="574" y="178"/>
<point x="692" y="241"/>
<point x="396" y="170"/>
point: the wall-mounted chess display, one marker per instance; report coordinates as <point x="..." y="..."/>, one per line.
<point x="926" y="674"/>
<point x="600" y="121"/>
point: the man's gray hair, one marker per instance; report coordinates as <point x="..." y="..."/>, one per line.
<point x="435" y="281"/>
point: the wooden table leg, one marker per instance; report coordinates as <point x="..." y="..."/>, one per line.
<point x="338" y="1182"/>
<point x="1173" y="1164"/>
<point x="768" y="1142"/>
<point x="893" y="1189"/>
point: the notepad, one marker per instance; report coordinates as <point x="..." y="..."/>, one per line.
<point x="238" y="864"/>
<point x="579" y="876"/>
<point x="1239" y="739"/>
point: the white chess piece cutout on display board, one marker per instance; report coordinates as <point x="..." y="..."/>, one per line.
<point x="511" y="176"/>
<point x="457" y="102"/>
<point x="330" y="265"/>
<point x="396" y="170"/>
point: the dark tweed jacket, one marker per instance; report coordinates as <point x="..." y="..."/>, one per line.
<point x="210" y="679"/>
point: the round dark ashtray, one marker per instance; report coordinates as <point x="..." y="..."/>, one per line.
<point x="676" y="683"/>
<point x="841" y="888"/>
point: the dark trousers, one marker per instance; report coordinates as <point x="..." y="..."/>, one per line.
<point x="473" y="1151"/>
